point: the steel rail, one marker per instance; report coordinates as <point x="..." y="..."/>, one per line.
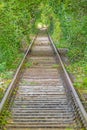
<point x="71" y="87"/>
<point x="14" y="80"/>
<point x="72" y="90"/>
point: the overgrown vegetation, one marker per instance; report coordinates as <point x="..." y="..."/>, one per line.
<point x="17" y="23"/>
<point x="67" y="22"/>
<point x="69" y="30"/>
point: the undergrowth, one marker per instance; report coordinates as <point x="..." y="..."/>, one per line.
<point x="71" y="32"/>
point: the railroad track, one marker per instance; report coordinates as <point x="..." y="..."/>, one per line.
<point x="45" y="97"/>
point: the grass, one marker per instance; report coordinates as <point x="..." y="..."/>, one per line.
<point x="24" y="82"/>
<point x="69" y="129"/>
<point x="55" y="66"/>
<point x="5" y="80"/>
<point x="78" y="63"/>
<point x="28" y="64"/>
<point x="33" y="83"/>
<point x="3" y="118"/>
<point x="7" y="73"/>
<point x="79" y="70"/>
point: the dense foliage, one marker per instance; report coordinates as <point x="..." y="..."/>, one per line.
<point x="73" y="20"/>
<point x="71" y="32"/>
<point x="17" y="19"/>
<point x="17" y="22"/>
<point x="67" y="22"/>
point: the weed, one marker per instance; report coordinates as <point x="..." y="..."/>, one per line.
<point x="69" y="128"/>
<point x="7" y="74"/>
<point x="2" y="67"/>
<point x="33" y="83"/>
<point x="5" y="80"/>
<point x="55" y="66"/>
<point x="28" y="64"/>
<point x="24" y="82"/>
<point x="3" y="118"/>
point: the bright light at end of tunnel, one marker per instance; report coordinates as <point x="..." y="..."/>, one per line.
<point x="41" y="25"/>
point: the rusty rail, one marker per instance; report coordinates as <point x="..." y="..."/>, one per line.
<point x="79" y="105"/>
<point x="14" y="80"/>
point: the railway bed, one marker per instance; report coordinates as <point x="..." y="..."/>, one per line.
<point x="45" y="98"/>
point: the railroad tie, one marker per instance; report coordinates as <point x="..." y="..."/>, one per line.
<point x="41" y="101"/>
